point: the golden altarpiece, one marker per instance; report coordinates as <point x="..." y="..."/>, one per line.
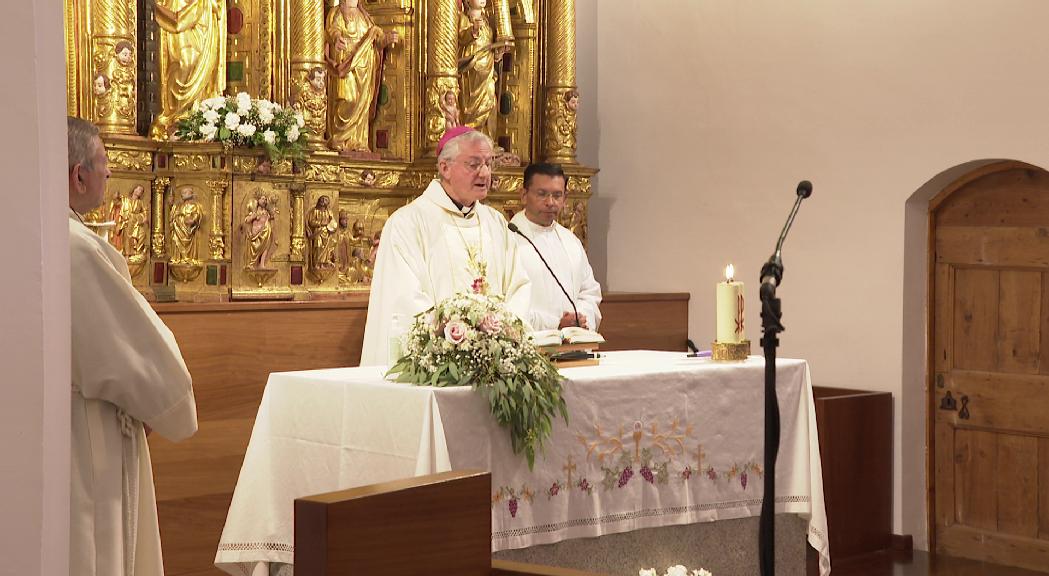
<point x="377" y="81"/>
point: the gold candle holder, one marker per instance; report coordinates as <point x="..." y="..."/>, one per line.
<point x="730" y="351"/>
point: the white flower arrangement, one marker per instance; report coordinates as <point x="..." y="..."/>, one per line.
<point x="242" y="121"/>
<point x="473" y="340"/>
<point x="678" y="570"/>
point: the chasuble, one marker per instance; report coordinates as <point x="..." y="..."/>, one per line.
<point x="126" y="370"/>
<point x="567" y="258"/>
<point x="424" y="257"/>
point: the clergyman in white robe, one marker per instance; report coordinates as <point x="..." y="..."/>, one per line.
<point x="422" y="260"/>
<point x="126" y="370"/>
<point x="567" y="259"/>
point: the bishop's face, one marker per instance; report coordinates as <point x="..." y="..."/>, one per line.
<point x="544" y="198"/>
<point x="468" y="177"/>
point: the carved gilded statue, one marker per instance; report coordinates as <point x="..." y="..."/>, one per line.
<point x="312" y="100"/>
<point x="129" y="216"/>
<point x="353" y="51"/>
<point x="192" y="57"/>
<point x="320" y="229"/>
<point x="186" y="218"/>
<point x="257" y="228"/>
<point x="100" y="87"/>
<point x="479" y="53"/>
<point x="577" y="221"/>
<point x="135" y="226"/>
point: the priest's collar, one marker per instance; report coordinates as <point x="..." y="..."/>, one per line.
<point x="522" y="218"/>
<point x="445" y="200"/>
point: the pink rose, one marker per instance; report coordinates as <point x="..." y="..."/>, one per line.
<point x="491" y="325"/>
<point x="479" y="286"/>
<point x="455" y="332"/>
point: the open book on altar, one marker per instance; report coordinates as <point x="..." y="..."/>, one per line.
<point x="566" y="335"/>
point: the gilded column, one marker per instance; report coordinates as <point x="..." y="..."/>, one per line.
<point x="307" y="68"/>
<point x="298" y="222"/>
<point x="217" y="236"/>
<point x="441" y="66"/>
<point x="160" y="186"/>
<point x="504" y="30"/>
<point x="561" y="97"/>
<point x="112" y="82"/>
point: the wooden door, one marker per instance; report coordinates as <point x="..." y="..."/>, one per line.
<point x="989" y="366"/>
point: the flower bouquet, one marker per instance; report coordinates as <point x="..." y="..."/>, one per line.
<point x="241" y="121"/>
<point x="473" y="340"/>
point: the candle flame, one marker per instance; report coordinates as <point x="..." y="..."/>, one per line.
<point x="730" y="273"/>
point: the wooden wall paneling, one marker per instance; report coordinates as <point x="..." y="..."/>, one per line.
<point x="1001" y="401"/>
<point x="1017" y="476"/>
<point x="1004" y="549"/>
<point x="189" y="531"/>
<point x="993" y="246"/>
<point x="1019" y="321"/>
<point x="975" y="318"/>
<point x="636" y="321"/>
<point x="1043" y="356"/>
<point x="974" y="485"/>
<point x="1043" y="488"/>
<point x="1010" y="198"/>
<point x="944" y="482"/>
<point x="943" y="320"/>
<point x="855" y="434"/>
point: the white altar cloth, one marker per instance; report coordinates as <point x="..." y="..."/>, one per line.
<point x="653" y="439"/>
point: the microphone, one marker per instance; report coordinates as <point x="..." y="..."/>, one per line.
<point x="513" y="228"/>
<point x="772" y="271"/>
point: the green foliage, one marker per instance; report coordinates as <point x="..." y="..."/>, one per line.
<point x="473" y="340"/>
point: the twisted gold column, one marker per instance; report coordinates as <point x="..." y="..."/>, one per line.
<point x="160" y="186"/>
<point x="559" y="113"/>
<point x="217" y="236"/>
<point x="298" y="222"/>
<point x="111" y="85"/>
<point x="306" y="39"/>
<point x="441" y="73"/>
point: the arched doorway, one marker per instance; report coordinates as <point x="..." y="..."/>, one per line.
<point x="989" y="366"/>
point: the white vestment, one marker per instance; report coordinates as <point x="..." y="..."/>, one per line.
<point x="564" y="252"/>
<point x="126" y="370"/>
<point x="422" y="260"/>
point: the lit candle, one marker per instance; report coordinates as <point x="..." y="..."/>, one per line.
<point x="730" y="309"/>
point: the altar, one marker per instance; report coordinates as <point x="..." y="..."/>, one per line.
<point x="653" y="439"/>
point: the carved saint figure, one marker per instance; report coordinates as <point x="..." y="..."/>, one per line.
<point x="129" y="216"/>
<point x="577" y="221"/>
<point x="353" y="52"/>
<point x="450" y="110"/>
<point x="312" y="100"/>
<point x="135" y="225"/>
<point x="478" y="55"/>
<point x="257" y="228"/>
<point x="320" y="229"/>
<point x="186" y="218"/>
<point x="117" y="208"/>
<point x="192" y="57"/>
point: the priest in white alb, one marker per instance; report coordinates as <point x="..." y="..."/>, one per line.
<point x="543" y="197"/>
<point x="127" y="377"/>
<point x="444" y="242"/>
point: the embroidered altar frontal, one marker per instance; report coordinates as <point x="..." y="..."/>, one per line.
<point x="653" y="439"/>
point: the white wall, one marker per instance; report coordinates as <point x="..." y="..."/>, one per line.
<point x="709" y="112"/>
<point x="34" y="293"/>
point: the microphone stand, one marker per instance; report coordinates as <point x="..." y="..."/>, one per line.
<point x="771" y="314"/>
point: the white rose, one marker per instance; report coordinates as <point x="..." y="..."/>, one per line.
<point x="265" y="116"/>
<point x="211" y="116"/>
<point x="208" y="131"/>
<point x="232" y="120"/>
<point x="701" y="572"/>
<point x="246" y="129"/>
<point x="269" y="136"/>
<point x="292" y="135"/>
<point x="299" y="119"/>
<point x="215" y="103"/>
<point x="678" y="570"/>
<point x="647" y="572"/>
